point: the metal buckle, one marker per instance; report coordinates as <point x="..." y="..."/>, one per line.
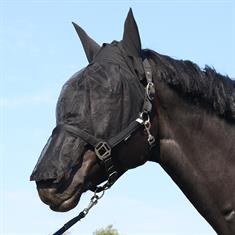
<point x="102" y="150"/>
<point x="150" y="91"/>
<point x="144" y="116"/>
<point x="140" y="121"/>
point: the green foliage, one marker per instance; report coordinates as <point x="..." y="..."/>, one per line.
<point x="109" y="230"/>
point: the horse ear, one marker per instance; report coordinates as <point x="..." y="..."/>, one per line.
<point x="89" y="45"/>
<point x="131" y="38"/>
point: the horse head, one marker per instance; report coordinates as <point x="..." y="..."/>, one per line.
<point x="98" y="105"/>
<point x="109" y="120"/>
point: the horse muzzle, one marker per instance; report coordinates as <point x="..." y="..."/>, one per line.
<point x="58" y="200"/>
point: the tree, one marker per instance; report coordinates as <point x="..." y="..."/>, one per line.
<point x="109" y="230"/>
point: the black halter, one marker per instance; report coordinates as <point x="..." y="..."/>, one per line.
<point x="103" y="148"/>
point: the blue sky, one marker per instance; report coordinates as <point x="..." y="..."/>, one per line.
<point x="39" y="51"/>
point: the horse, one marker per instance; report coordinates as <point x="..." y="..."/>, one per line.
<point x="132" y="105"/>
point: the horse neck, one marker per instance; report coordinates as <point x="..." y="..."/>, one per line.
<point x="194" y="146"/>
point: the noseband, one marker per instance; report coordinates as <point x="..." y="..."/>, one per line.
<point x="103" y="148"/>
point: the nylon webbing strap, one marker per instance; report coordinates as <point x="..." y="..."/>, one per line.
<point x="148" y="71"/>
<point x="94" y="141"/>
<point x="90" y="139"/>
<point x="125" y="134"/>
<point x="70" y="223"/>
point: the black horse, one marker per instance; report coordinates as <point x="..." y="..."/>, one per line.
<point x="110" y="119"/>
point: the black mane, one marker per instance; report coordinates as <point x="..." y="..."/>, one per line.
<point x="213" y="90"/>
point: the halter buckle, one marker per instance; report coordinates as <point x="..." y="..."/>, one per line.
<point x="102" y="150"/>
<point x="150" y="91"/>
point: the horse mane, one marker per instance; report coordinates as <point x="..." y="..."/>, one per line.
<point x="207" y="87"/>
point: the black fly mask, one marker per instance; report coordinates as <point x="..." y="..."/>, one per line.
<point x="102" y="100"/>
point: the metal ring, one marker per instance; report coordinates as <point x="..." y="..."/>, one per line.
<point x="147" y="124"/>
<point x="144" y="116"/>
<point x="99" y="196"/>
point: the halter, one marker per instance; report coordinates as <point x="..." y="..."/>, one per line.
<point x="103" y="148"/>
